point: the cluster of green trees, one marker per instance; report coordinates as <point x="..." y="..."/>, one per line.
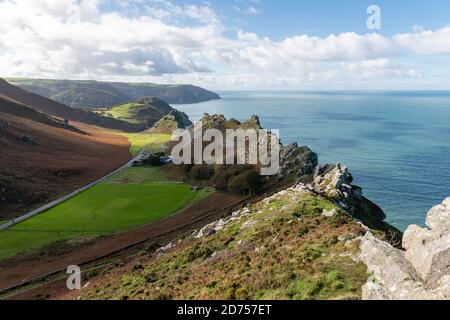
<point x="237" y="179"/>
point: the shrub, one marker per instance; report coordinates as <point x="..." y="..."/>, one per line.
<point x="242" y="294"/>
<point x="202" y="172"/>
<point x="303" y="231"/>
<point x="220" y="180"/>
<point x="338" y="220"/>
<point x="151" y="277"/>
<point x="245" y="183"/>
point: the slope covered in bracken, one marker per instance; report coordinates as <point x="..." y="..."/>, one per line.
<point x="60" y="110"/>
<point x="41" y="158"/>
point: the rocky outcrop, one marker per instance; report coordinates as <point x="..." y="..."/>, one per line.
<point x="297" y="161"/>
<point x="335" y="183"/>
<point x="420" y="272"/>
<point x="429" y="249"/>
<point x="252" y="123"/>
<point x="217" y="226"/>
<point x="171" y="122"/>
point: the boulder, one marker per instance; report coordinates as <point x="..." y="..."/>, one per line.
<point x="438" y="219"/>
<point x="429" y="249"/>
<point x="420" y="272"/>
<point x="387" y="264"/>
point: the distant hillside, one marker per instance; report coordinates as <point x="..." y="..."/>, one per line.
<point x="43" y="158"/>
<point x="94" y="94"/>
<point x="146" y="112"/>
<point x="62" y="111"/>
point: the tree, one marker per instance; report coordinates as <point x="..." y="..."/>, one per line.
<point x="245" y="183"/>
<point x="202" y="172"/>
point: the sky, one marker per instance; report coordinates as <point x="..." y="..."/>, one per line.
<point x="231" y="44"/>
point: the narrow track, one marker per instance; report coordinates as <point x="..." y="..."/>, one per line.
<point x="69" y="196"/>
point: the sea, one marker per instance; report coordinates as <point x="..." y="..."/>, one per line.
<point x="396" y="144"/>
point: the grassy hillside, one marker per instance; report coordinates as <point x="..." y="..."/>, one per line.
<point x="148" y="112"/>
<point x="94" y="94"/>
<point x="283" y="247"/>
<point x="126" y="112"/>
<point x="134" y="197"/>
<point x="151" y="142"/>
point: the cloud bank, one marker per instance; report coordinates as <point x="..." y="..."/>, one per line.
<point x="159" y="41"/>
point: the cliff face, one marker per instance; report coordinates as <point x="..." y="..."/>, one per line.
<point x="335" y="183"/>
<point x="420" y="272"/>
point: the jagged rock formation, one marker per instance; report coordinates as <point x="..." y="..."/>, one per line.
<point x="335" y="183"/>
<point x="252" y="123"/>
<point x="420" y="272"/>
<point x="297" y="161"/>
<point x="174" y="120"/>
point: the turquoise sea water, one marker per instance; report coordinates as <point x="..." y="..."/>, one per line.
<point x="396" y="144"/>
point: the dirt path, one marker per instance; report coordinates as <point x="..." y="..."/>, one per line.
<point x="16" y="271"/>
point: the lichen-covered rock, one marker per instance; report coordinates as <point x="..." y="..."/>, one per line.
<point x="420" y="272"/>
<point x="387" y="264"/>
<point x="429" y="249"/>
<point x="335" y="183"/>
<point x="438" y="219"/>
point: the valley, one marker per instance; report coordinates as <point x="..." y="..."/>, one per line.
<point x="160" y="231"/>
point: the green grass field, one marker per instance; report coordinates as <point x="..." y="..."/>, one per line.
<point x="126" y="112"/>
<point x="151" y="142"/>
<point x="134" y="197"/>
<point x="137" y="175"/>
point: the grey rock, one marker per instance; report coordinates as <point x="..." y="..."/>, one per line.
<point x="297" y="161"/>
<point x="438" y="219"/>
<point x="420" y="272"/>
<point x="429" y="249"/>
<point x="329" y="213"/>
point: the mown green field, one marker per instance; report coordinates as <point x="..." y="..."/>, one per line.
<point x="137" y="175"/>
<point x="134" y="197"/>
<point x="151" y="142"/>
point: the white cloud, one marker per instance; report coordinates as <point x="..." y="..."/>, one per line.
<point x="425" y="42"/>
<point x="189" y="43"/>
<point x="246" y="10"/>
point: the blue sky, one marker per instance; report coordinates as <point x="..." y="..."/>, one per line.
<point x="248" y="44"/>
<point x="279" y="19"/>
